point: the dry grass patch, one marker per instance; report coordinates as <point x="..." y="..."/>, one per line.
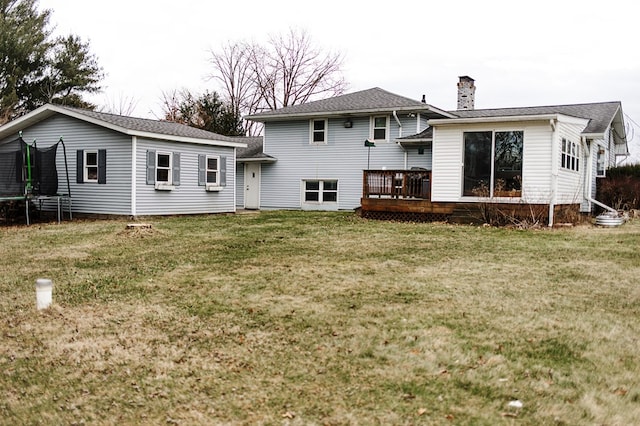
<point x="319" y="318"/>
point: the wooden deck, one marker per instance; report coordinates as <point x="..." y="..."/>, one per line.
<point x="406" y="195"/>
<point x="401" y="194"/>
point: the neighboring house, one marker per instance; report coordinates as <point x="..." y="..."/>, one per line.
<point x="543" y="156"/>
<point x="131" y="166"/>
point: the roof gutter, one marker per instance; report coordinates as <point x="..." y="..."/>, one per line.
<point x="473" y="120"/>
<point x="425" y="108"/>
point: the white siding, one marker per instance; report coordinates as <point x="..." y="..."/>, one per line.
<point x="188" y="197"/>
<point x="448" y="153"/>
<point x="447" y="164"/>
<point x="536" y="167"/>
<point x="570" y="182"/>
<point x="344" y="157"/>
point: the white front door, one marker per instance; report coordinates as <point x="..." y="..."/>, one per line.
<point x="252" y="185"/>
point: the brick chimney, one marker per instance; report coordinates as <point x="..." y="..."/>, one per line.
<point x="466" y="93"/>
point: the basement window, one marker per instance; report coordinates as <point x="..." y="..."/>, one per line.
<point x="320" y="191"/>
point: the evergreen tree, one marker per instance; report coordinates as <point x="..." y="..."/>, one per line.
<point x="34" y="69"/>
<point x="207" y="112"/>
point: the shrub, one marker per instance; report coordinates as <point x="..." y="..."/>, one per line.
<point x="621" y="188"/>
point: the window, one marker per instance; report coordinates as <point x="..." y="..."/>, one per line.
<point x="91" y="166"/>
<point x="321" y="191"/>
<point x="602" y="158"/>
<point x="318" y="130"/>
<point x="163" y="169"/>
<point x="379" y="126"/>
<point x="570" y="155"/>
<point x="212" y="172"/>
<point x="493" y="164"/>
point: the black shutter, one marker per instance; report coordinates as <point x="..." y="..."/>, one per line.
<point x="151" y="167"/>
<point x="202" y="170"/>
<point x="80" y="166"/>
<point x="176" y="169"/>
<point x="102" y="166"/>
<point x="223" y="171"/>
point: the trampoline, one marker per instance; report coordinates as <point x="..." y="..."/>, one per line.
<point x="29" y="175"/>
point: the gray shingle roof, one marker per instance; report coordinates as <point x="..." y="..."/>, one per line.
<point x="425" y="134"/>
<point x="599" y="114"/>
<point x="152" y="126"/>
<point x="253" y="151"/>
<point x="371" y="100"/>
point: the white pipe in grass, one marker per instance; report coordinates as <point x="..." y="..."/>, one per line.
<point x="44" y="293"/>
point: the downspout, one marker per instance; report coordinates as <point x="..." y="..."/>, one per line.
<point x="587" y="184"/>
<point x="554" y="171"/>
<point x="399" y="124"/>
<point x="406" y="157"/>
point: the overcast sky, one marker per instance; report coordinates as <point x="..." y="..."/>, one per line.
<point x="542" y="52"/>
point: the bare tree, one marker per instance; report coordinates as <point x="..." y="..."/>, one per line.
<point x="234" y="72"/>
<point x="288" y="70"/>
<point x="292" y="71"/>
<point x="170" y="104"/>
<point x="122" y="105"/>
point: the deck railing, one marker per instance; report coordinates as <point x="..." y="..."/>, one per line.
<point x="397" y="184"/>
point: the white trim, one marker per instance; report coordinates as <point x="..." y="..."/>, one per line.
<point x="48" y="110"/>
<point x="500" y="119"/>
<point x="235" y="166"/>
<point x="134" y="177"/>
<point x="312" y="132"/>
<point x="321" y="191"/>
<point x="344" y="112"/>
<point x="169" y="181"/>
<point x="207" y="169"/>
<point x="372" y="128"/>
<point x="162" y="186"/>
<point x="555" y="171"/>
<point x="85" y="166"/>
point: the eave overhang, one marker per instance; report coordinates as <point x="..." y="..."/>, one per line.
<point x="49" y="110"/>
<point x="427" y="109"/>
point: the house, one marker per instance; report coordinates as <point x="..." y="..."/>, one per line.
<point x="129" y="166"/>
<point x="317" y="152"/>
<point x="423" y="161"/>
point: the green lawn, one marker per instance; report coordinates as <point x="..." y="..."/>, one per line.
<point x="319" y="318"/>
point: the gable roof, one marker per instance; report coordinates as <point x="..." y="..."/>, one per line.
<point x="133" y="126"/>
<point x="253" y="152"/>
<point x="600" y="115"/>
<point x="375" y="100"/>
